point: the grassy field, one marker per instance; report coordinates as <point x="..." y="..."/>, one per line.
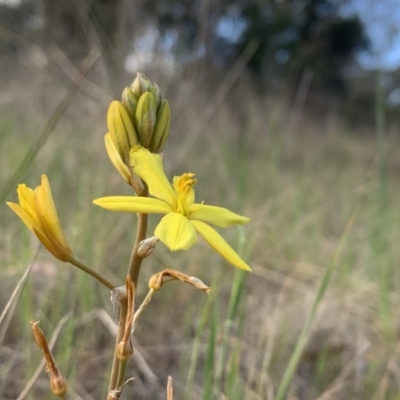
<point x="320" y="313"/>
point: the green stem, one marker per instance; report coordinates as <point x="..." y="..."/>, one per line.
<point x="121" y="374"/>
<point x="118" y="368"/>
<point x="116" y="362"/>
<point x="93" y="273"/>
<point x="136" y="260"/>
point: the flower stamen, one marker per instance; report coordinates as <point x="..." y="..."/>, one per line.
<point x="183" y="187"/>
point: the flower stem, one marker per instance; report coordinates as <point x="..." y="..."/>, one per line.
<point x="121" y="328"/>
<point x="136" y="260"/>
<point x="93" y="273"/>
<point x="121" y="374"/>
<point x="118" y="368"/>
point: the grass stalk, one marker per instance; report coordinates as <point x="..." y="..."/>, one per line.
<point x="234" y="300"/>
<point x="196" y="347"/>
<point x="304" y="335"/>
<point x="210" y="357"/>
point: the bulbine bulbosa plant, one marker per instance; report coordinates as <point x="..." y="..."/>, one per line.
<point x="139" y="128"/>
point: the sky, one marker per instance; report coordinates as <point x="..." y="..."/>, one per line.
<point x="381" y="20"/>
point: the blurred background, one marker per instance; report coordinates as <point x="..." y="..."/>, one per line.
<point x="288" y="112"/>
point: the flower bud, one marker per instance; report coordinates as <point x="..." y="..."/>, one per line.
<point x="156" y="92"/>
<point x="147" y="246"/>
<point x="121" y="128"/>
<point x="37" y="210"/>
<point x="140" y="84"/>
<point x="149" y="114"/>
<point x="161" y="130"/>
<point x="129" y="100"/>
<point x="146" y="118"/>
<point x="116" y="159"/>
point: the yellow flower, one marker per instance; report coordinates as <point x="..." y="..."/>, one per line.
<point x="183" y="217"/>
<point x="116" y="158"/>
<point x="36" y="209"/>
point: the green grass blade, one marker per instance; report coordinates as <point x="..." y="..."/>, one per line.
<point x="210" y="358"/>
<point x="196" y="347"/>
<point x="301" y="343"/>
<point x="234" y="300"/>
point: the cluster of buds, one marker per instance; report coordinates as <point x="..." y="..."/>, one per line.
<point x="142" y="117"/>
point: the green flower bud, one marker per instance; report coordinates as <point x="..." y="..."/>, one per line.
<point x="155" y="91"/>
<point x="129" y="100"/>
<point x="146" y="118"/>
<point x="121" y="128"/>
<point x="140" y="84"/>
<point x="161" y="130"/>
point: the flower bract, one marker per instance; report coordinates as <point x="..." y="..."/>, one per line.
<point x="183" y="218"/>
<point x="37" y="210"/>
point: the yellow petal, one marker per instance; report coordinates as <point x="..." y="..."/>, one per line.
<point x="176" y="232"/>
<point x="215" y="240"/>
<point x="149" y="167"/>
<point x="27" y="201"/>
<point x="143" y="205"/>
<point x="52" y="247"/>
<point x="35" y="227"/>
<point x="116" y="159"/>
<point x="31" y="223"/>
<point x="215" y="215"/>
<point x="49" y="219"/>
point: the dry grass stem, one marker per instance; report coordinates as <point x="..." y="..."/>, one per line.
<point x="11" y="304"/>
<point x="140" y="310"/>
<point x="170" y="389"/>
<point x="14" y="294"/>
